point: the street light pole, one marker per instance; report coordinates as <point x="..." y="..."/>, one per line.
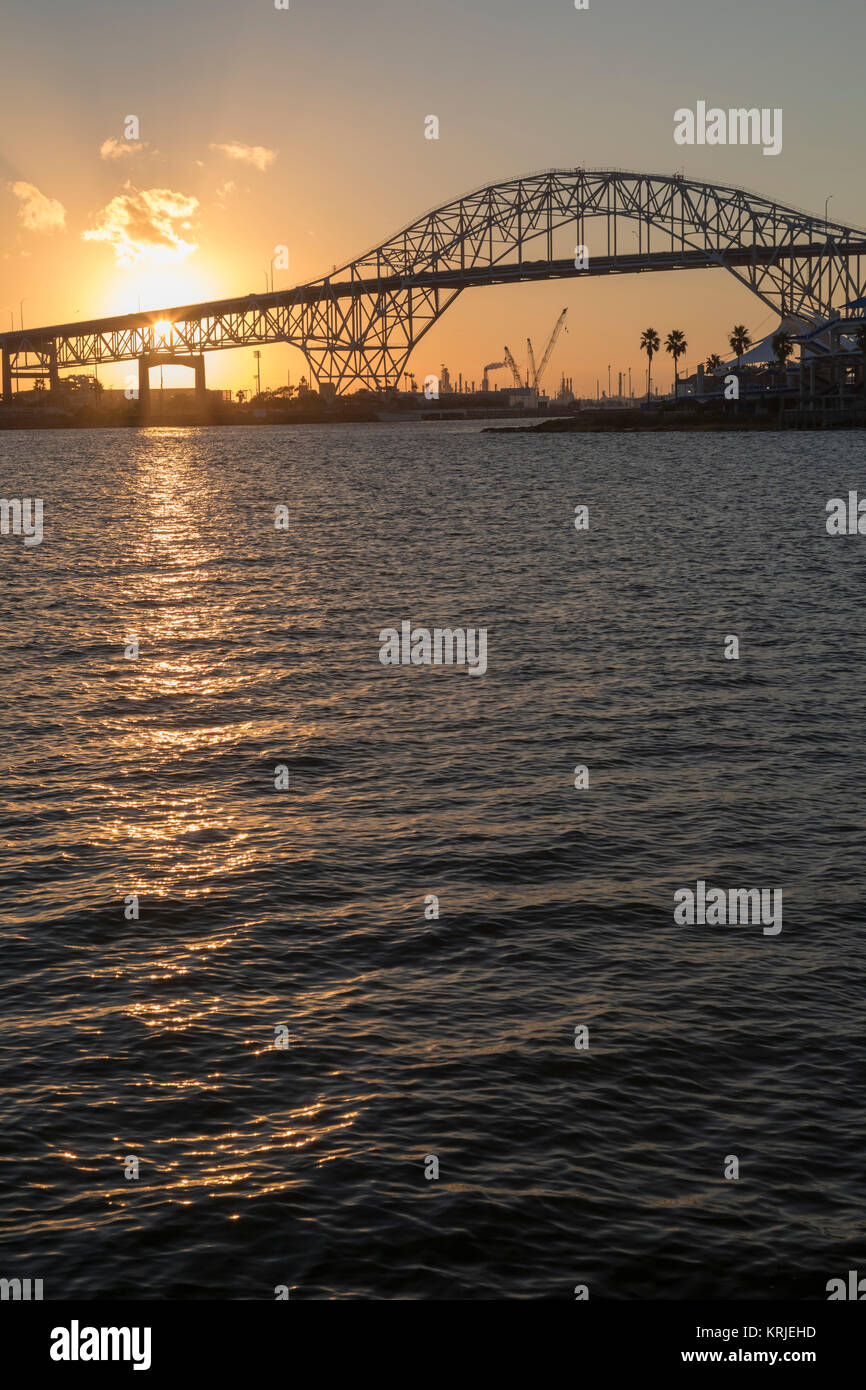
<point x="278" y="252"/>
<point x="21" y="304"/>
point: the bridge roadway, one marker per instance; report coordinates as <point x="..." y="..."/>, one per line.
<point x="245" y="322"/>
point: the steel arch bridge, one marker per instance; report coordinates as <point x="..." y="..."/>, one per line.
<point x="358" y="326"/>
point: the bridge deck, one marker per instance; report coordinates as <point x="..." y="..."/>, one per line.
<point x="327" y="289"/>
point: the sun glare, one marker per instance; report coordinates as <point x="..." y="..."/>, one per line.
<point x="151" y="288"/>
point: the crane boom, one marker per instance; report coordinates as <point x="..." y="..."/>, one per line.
<point x="515" y="372"/>
<point x="532" y="377"/>
<point x="549" y="349"/>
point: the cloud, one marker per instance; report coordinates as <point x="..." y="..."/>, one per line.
<point x="256" y="155"/>
<point x="225" y="191"/>
<point x="116" y="149"/>
<point x="37" y="212"/>
<point x="146" y="225"/>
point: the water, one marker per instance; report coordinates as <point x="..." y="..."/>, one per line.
<point x="305" y="908"/>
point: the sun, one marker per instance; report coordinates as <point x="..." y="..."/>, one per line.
<point x="157" y="289"/>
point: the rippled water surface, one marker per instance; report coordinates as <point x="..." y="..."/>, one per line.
<point x="305" y="907"/>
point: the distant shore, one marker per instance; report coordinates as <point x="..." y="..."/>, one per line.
<point x="663" y="418"/>
<point x="661" y="421"/>
<point x="29" y="419"/>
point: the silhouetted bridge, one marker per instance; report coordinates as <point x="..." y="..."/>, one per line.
<point x="359" y="325"/>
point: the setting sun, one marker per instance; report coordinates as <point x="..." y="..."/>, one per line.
<point x="155" y="287"/>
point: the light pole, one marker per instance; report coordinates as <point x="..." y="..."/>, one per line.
<point x="21" y="304"/>
<point x="826" y="206"/>
<point x="258" y="356"/>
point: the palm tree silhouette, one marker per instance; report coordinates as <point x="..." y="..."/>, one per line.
<point x="675" y="344"/>
<point x="739" y="340"/>
<point x="783" y="346"/>
<point x="713" y="362"/>
<point x="650" y="344"/>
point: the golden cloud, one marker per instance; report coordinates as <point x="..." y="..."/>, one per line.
<point x="257" y="155"/>
<point x="146" y="225"/>
<point x="37" y="212"/>
<point x="116" y="149"/>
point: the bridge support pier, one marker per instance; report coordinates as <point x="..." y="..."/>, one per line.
<point x="143" y="389"/>
<point x="53" y="373"/>
<point x="7" y="375"/>
<point x="156" y="359"/>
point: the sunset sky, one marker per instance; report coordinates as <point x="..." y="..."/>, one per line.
<point x="305" y="127"/>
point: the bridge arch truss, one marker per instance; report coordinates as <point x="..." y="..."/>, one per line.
<point x="358" y="326"/>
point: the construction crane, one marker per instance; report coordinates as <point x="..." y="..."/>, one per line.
<point x="536" y="373"/>
<point x="515" y="370"/>
<point x="532" y="370"/>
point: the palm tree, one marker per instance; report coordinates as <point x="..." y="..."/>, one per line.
<point x="739" y="340"/>
<point x="713" y="362"/>
<point x="783" y="347"/>
<point x="650" y="344"/>
<point x="675" y="344"/>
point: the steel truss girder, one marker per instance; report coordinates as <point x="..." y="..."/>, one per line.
<point x="359" y="325"/>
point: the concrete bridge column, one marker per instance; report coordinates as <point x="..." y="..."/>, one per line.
<point x="143" y="389"/>
<point x="200" y="386"/>
<point x="53" y="373"/>
<point x="7" y="375"/>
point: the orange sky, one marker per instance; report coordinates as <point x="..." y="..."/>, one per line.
<point x="305" y="128"/>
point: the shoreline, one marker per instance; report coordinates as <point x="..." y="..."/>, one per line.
<point x="603" y="421"/>
<point x="674" y="422"/>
